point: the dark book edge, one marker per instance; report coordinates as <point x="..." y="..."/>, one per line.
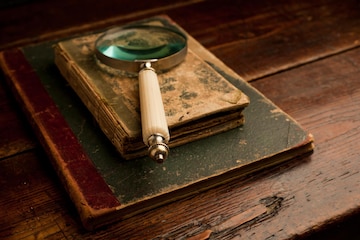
<point x="73" y="166"/>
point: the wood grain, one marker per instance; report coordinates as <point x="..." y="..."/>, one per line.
<point x="37" y="21"/>
<point x="33" y="202"/>
<point x="302" y="55"/>
<point x="259" y="38"/>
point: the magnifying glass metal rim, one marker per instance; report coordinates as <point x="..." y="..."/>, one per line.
<point x="161" y="64"/>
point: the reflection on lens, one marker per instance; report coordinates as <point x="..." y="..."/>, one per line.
<point x="141" y="43"/>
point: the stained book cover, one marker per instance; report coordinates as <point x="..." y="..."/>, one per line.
<point x="198" y="101"/>
<point x="106" y="188"/>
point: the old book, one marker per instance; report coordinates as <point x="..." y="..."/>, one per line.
<point x="198" y="101"/>
<point x="106" y="188"/>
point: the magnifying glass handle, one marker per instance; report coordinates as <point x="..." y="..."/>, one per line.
<point x="155" y="130"/>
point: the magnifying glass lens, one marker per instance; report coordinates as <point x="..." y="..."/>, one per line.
<point x="141" y="44"/>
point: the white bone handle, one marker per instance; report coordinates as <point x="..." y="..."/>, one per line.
<point x="153" y="121"/>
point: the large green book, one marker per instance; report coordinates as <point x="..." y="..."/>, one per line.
<point x="104" y="186"/>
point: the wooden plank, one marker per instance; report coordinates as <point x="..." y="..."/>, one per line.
<point x="33" y="203"/>
<point x="39" y="21"/>
<point x="324" y="97"/>
<point x="258" y="38"/>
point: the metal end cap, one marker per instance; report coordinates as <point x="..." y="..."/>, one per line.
<point x="158" y="149"/>
<point x="159" y="152"/>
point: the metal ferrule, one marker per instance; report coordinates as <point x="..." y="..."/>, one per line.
<point x="147" y="66"/>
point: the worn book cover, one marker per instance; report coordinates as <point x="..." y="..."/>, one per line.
<point x="106" y="188"/>
<point x="198" y="101"/>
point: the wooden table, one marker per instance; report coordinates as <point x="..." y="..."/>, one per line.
<point x="303" y="55"/>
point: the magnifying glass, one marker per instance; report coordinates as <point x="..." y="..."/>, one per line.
<point x="145" y="50"/>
